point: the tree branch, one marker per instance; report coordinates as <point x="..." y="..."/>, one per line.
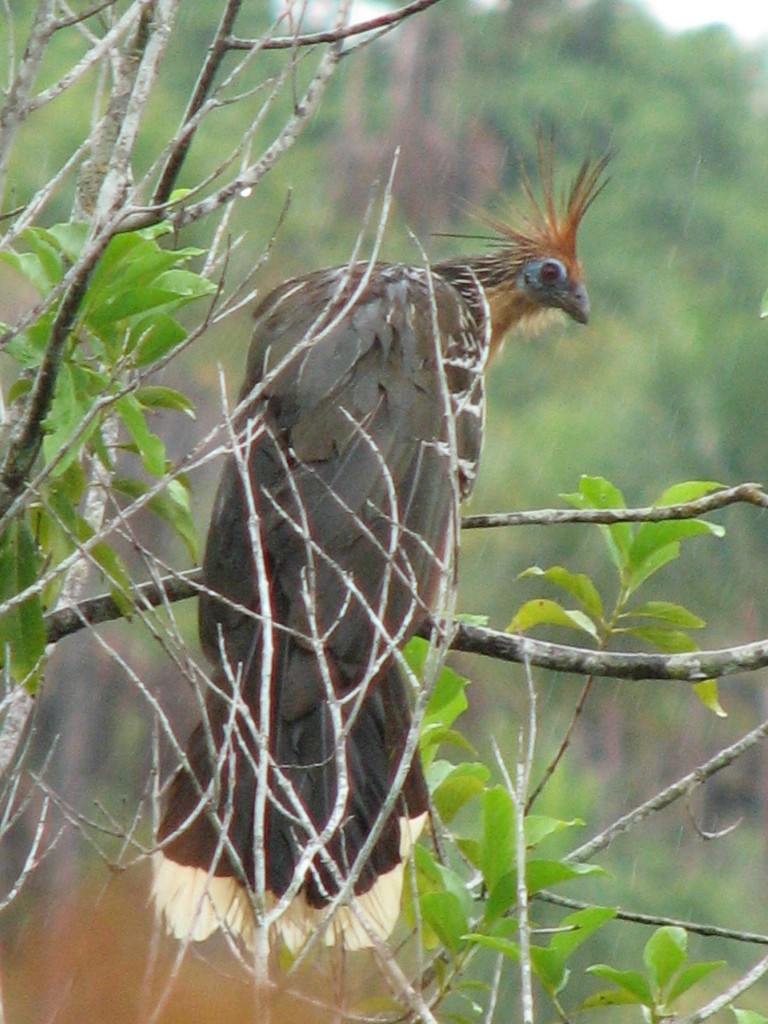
<point x="749" y="493"/>
<point x="720" y="1002"/>
<point x="27" y="437"/>
<point x="658" y="920"/>
<point x="694" y="667"/>
<point x="584" y="853"/>
<point x="216" y="54"/>
<point x="333" y="35"/>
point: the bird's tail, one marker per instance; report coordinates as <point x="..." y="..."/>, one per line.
<point x="325" y="829"/>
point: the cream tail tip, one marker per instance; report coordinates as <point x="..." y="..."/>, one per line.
<point x="193" y="904"/>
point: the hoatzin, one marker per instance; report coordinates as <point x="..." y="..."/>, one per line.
<point x="332" y="541"/>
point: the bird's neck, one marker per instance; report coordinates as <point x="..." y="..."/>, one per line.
<point x="488" y="284"/>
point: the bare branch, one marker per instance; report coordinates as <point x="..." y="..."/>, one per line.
<point x="658" y="920"/>
<point x="725" y="999"/>
<point x="12" y="113"/>
<point x="95" y="54"/>
<point x="691" y="668"/>
<point x="216" y="53"/>
<point x="751" y="493"/>
<point x="289" y="134"/>
<point x="667" y="796"/>
<point x="333" y="35"/>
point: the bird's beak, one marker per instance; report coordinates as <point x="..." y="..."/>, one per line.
<point x="576" y="303"/>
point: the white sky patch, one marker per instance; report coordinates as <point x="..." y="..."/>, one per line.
<point x="747" y="18"/>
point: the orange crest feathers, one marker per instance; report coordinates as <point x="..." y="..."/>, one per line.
<point x="552" y="226"/>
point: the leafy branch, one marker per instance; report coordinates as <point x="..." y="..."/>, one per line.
<point x="467" y="638"/>
<point x="693" y="666"/>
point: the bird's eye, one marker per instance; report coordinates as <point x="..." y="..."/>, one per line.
<point x="552" y="272"/>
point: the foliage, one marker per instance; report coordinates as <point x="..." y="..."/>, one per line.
<point x="467" y="890"/>
<point x="637" y="552"/>
<point x="668" y="976"/>
<point x="126" y="327"/>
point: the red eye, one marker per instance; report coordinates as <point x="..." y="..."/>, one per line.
<point x="552" y="271"/>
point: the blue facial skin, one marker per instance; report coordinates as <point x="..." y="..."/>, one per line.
<point x="547" y="282"/>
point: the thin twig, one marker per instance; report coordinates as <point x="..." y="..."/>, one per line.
<point x="659" y="920"/>
<point x="333" y="35"/>
<point x="667" y="796"/>
<point x="565" y="742"/>
<point x="746" y="981"/>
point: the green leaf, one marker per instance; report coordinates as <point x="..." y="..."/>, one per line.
<point x="497" y="844"/>
<point x="469" y="848"/>
<point x="22" y="628"/>
<point x="578" y="585"/>
<point x="117" y="576"/>
<point x="154" y="397"/>
<point x="436" y="877"/>
<point x="609" y="997"/>
<point x="652" y="536"/>
<point x="655" y="561"/>
<point x="29" y="266"/>
<point x="749" y="1016"/>
<point x="46" y="249"/>
<point x="550" y="970"/>
<point x="690" y="976"/>
<point x="129" y="303"/>
<point x="150" y="447"/>
<point x="76" y="390"/>
<point x="70" y="237"/>
<point x="502" y="898"/>
<point x="578" y="926"/>
<point x="539" y="826"/>
<point x="129" y="261"/>
<point x="671" y="641"/>
<point x="497" y="943"/>
<point x="171" y="505"/>
<point x="630" y="982"/>
<point x="445" y="916"/>
<point x="688" y="490"/>
<point x="136" y="275"/>
<point x="464" y="782"/>
<point x="185" y="284"/>
<point x="541" y="874"/>
<point x="652" y="539"/>
<point x="434" y="736"/>
<point x="708" y="694"/>
<point x="154" y="337"/>
<point x="600" y="493"/>
<point x="543" y="611"/>
<point x="473" y="620"/>
<point x="447" y="700"/>
<point x="27" y="348"/>
<point x="597" y="492"/>
<point x="664" y="954"/>
<point x="666" y="611"/>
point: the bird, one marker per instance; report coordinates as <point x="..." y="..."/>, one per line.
<point x="333" y="540"/>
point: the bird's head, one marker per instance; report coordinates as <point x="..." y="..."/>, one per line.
<point x="535" y="266"/>
<point x="549" y="284"/>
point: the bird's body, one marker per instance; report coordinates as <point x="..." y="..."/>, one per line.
<point x="332" y="541"/>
